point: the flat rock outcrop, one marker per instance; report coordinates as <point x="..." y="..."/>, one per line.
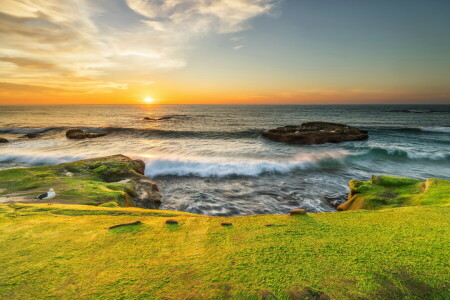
<point x="96" y="181"/>
<point x="316" y="133"/>
<point x="3" y="140"/>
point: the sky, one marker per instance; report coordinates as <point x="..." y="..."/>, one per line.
<point x="224" y="51"/>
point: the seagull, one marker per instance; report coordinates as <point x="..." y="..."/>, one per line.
<point x="47" y="196"/>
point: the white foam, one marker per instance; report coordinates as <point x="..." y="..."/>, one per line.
<point x="439" y="129"/>
<point x="222" y="167"/>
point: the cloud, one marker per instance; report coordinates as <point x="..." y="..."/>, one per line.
<point x="28" y="63"/>
<point x="108" y="42"/>
<point x="238" y="47"/>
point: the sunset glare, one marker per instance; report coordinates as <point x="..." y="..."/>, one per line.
<point x="148" y="100"/>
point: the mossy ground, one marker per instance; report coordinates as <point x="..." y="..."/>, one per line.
<point x="83" y="182"/>
<point x="389" y="191"/>
<point x="66" y="251"/>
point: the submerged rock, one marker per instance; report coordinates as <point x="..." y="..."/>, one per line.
<point x="75" y="134"/>
<point x="79" y="134"/>
<point x="29" y="136"/>
<point x="3" y="140"/>
<point x="316" y="133"/>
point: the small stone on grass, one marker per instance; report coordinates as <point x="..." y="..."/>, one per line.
<point x="226" y="224"/>
<point x="172" y="222"/>
<point x="298" y="211"/>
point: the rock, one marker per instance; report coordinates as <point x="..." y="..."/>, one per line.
<point x="126" y="224"/>
<point x="94" y="135"/>
<point x="226" y="224"/>
<point x="269" y="225"/>
<point x="77" y="134"/>
<point x="308" y="294"/>
<point x="171" y="222"/>
<point x="166" y="117"/>
<point x="316" y="133"/>
<point x="298" y="211"/>
<point x="29" y="136"/>
<point x="3" y="140"/>
<point x="335" y="201"/>
<point x="139" y="166"/>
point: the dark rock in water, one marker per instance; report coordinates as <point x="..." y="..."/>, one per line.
<point x="335" y="201"/>
<point x="172" y="222"/>
<point x="3" y="140"/>
<point x="167" y="117"/>
<point x="94" y="135"/>
<point x="316" y="133"/>
<point x="226" y="224"/>
<point x="77" y="134"/>
<point x="29" y="136"/>
<point x="298" y="211"/>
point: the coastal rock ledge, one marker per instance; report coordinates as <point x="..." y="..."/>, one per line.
<point x="96" y="181"/>
<point x="316" y="133"/>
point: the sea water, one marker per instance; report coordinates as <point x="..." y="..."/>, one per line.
<point x="213" y="160"/>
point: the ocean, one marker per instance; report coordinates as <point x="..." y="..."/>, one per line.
<point x="213" y="160"/>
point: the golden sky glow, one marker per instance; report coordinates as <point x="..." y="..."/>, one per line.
<point x="201" y="52"/>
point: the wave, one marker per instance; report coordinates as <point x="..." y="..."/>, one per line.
<point x="395" y="152"/>
<point x="159" y="133"/>
<point x="201" y="167"/>
<point x="419" y="111"/>
<point x="437" y="129"/>
<point x="146" y="132"/>
<point x="26" y="130"/>
<point x="39" y="160"/>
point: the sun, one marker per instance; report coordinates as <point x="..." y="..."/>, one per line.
<point x="149" y="100"/>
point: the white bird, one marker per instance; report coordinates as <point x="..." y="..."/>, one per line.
<point x="47" y="196"/>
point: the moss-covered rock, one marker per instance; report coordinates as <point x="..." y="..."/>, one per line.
<point x="389" y="191"/>
<point x="117" y="179"/>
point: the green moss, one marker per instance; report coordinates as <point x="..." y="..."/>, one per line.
<point x="84" y="182"/>
<point x="109" y="204"/>
<point x="389" y="191"/>
<point x="396" y="253"/>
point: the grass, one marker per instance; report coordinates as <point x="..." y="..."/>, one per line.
<point x="399" y="253"/>
<point x="389" y="191"/>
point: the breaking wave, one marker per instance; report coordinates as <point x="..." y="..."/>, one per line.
<point x="395" y="152"/>
<point x="195" y="166"/>
<point x="438" y="129"/>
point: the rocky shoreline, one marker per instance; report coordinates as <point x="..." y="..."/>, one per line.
<point x="120" y="180"/>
